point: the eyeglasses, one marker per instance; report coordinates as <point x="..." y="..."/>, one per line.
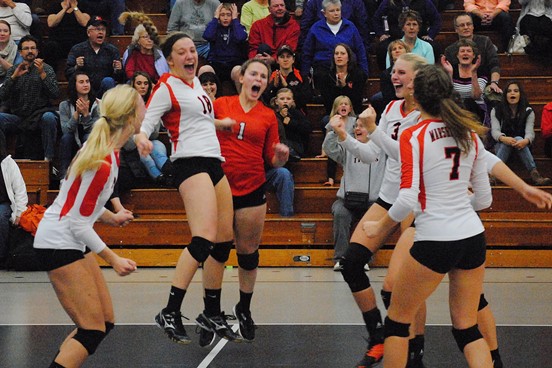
<point x="31" y="48"/>
<point x="145" y="37"/>
<point x="462" y="25"/>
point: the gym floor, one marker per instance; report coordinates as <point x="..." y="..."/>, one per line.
<point x="306" y="317"/>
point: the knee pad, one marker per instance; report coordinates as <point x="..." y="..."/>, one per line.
<point x="221" y="251"/>
<point x="386" y="298"/>
<point x="108" y="327"/>
<point x="394" y="328"/>
<point x="354" y="259"/>
<point x="466" y="336"/>
<point x="200" y="248"/>
<point x="90" y="339"/>
<point x="482" y="302"/>
<point x="249" y="261"/>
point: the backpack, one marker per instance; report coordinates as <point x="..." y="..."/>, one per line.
<point x="21" y="254"/>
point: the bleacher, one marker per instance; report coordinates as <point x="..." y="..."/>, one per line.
<point x="518" y="234"/>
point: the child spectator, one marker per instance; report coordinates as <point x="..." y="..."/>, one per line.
<point x="227" y="42"/>
<point x="293" y="126"/>
<point x="546" y="129"/>
<point x="77" y="116"/>
<point x="143" y="53"/>
<point x="512" y="122"/>
<point x="13" y="197"/>
<point x="8" y="50"/>
<point x="342" y="106"/>
<point x="287" y="76"/>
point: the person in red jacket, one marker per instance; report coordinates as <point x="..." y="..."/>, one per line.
<point x="546" y="129"/>
<point x="267" y="35"/>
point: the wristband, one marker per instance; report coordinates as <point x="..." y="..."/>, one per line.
<point x="75" y="8"/>
<point x="495" y="82"/>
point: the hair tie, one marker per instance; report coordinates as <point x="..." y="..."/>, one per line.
<point x="107" y="119"/>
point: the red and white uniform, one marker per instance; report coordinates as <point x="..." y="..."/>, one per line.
<point x="435" y="179"/>
<point x="69" y="222"/>
<point x="248" y="146"/>
<point x="393" y="122"/>
<point x="187" y="113"/>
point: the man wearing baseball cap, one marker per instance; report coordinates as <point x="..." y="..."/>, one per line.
<point x="97" y="57"/>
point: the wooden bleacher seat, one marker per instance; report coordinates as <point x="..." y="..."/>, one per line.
<point x="36" y="174"/>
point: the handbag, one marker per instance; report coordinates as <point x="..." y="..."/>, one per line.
<point x="357" y="201"/>
<point x="517" y="43"/>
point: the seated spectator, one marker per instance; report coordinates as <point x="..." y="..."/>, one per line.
<point x="535" y="21"/>
<point x="324" y="35"/>
<point x="489" y="66"/>
<point x="135" y="170"/>
<point x="18" y="15"/>
<point x="192" y="17"/>
<point x="210" y="84"/>
<point x="546" y="129"/>
<point x="294" y="127"/>
<point x="287" y="76"/>
<point x="357" y="177"/>
<point x="358" y="12"/>
<point x="387" y="27"/>
<point x="67" y="27"/>
<point x="467" y="80"/>
<point x="27" y="91"/>
<point x="77" y="116"/>
<point x="272" y="32"/>
<point x="492" y="14"/>
<point x="106" y="9"/>
<point x="252" y="11"/>
<point x="8" y="50"/>
<point x="13" y="197"/>
<point x="410" y="23"/>
<point x="228" y="42"/>
<point x="343" y="107"/>
<point x="97" y="57"/>
<point x="143" y="54"/>
<point x="387" y="90"/>
<point x="513" y="122"/>
<point x="344" y="78"/>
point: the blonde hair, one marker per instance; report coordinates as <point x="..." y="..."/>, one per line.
<point x="144" y="21"/>
<point x="118" y="113"/>
<point x="397" y="42"/>
<point x="337" y="101"/>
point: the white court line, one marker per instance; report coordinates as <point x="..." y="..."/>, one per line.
<point x="213" y="353"/>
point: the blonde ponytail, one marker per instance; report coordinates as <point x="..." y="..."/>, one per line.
<point x="118" y="113"/>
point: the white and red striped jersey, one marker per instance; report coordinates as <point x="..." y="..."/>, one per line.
<point x="69" y="222"/>
<point x="435" y="177"/>
<point x="187" y="113"/>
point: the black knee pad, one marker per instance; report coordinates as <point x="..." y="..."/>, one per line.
<point x="221" y="251"/>
<point x="482" y="302"/>
<point x="249" y="261"/>
<point x="386" y="298"/>
<point x="353" y="261"/>
<point x="200" y="248"/>
<point x="108" y="327"/>
<point x="90" y="339"/>
<point x="394" y="328"/>
<point x="466" y="336"/>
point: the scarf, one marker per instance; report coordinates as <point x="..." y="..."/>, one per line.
<point x="9" y="54"/>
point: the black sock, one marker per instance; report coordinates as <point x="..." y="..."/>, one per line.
<point x="374" y="325"/>
<point x="245" y="301"/>
<point x="55" y="365"/>
<point x="416" y="349"/>
<point x="496" y="358"/>
<point x="212" y="302"/>
<point x="176" y="297"/>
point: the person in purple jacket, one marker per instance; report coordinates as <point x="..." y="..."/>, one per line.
<point x="228" y="42"/>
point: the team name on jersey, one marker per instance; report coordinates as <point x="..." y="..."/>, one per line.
<point x="438" y="133"/>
